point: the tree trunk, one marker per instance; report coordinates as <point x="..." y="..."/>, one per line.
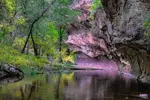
<point x="34" y="46"/>
<point x="61" y="31"/>
<point x="60" y="45"/>
<point x="31" y="30"/>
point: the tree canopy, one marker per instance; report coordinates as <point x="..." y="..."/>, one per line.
<point x="36" y="26"/>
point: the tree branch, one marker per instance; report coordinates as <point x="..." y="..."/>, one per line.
<point x="32" y="25"/>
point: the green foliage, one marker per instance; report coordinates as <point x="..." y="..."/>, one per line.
<point x="17" y="16"/>
<point x="53" y="32"/>
<point x="46" y="42"/>
<point x="5" y="29"/>
<point x="68" y="58"/>
<point x="11" y="5"/>
<point x="14" y="57"/>
<point x="49" y="28"/>
<point x="2" y="34"/>
<point x="20" y="20"/>
<point x="18" y="43"/>
<point x="11" y="22"/>
<point x="95" y="5"/>
<point x="60" y="13"/>
<point x="146" y="26"/>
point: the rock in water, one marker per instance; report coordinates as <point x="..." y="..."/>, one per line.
<point x="10" y="69"/>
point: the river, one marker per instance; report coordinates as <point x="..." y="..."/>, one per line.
<point x="75" y="85"/>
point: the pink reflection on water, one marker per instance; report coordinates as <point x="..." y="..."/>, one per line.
<point x="109" y="65"/>
<point x="100" y="84"/>
<point x="104" y="74"/>
<point x="85" y="62"/>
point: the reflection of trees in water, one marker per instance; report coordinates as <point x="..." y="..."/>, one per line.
<point x="6" y="79"/>
<point x="36" y="91"/>
<point x="57" y="88"/>
<point x="49" y="87"/>
<point x="26" y="91"/>
<point x="73" y="86"/>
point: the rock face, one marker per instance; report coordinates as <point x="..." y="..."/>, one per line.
<point x="116" y="32"/>
<point x="123" y="19"/>
<point x="88" y="44"/>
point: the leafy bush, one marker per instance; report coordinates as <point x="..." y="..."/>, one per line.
<point x="10" y="55"/>
<point x="19" y="43"/>
<point x="147" y="27"/>
<point x="68" y="58"/>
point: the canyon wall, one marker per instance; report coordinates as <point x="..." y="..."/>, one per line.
<point x="116" y="32"/>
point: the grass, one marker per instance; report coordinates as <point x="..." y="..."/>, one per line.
<point x="12" y="56"/>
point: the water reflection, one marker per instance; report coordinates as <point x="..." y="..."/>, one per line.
<point x="78" y="85"/>
<point x="10" y="79"/>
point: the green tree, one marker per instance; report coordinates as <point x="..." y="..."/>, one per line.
<point x="36" y="26"/>
<point x="62" y="16"/>
<point x="31" y="30"/>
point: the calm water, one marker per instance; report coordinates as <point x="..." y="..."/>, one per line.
<point x="75" y="85"/>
